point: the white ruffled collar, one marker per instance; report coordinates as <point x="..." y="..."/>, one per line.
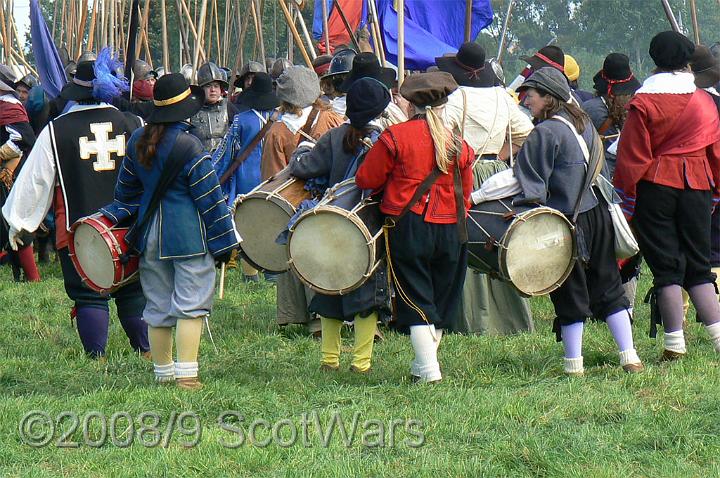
<point x="669" y="83"/>
<point x="295" y="122"/>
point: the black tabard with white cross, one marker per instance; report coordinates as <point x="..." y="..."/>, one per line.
<point x="89" y="147"/>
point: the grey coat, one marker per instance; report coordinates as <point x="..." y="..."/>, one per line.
<point x="551" y="167"/>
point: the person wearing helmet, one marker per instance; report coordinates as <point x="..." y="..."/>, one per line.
<point x="144" y="78"/>
<point x="24" y="85"/>
<point x="572" y="71"/>
<point x="245" y="78"/>
<point x="211" y="122"/>
<point x="279" y="67"/>
<point x="340" y="67"/>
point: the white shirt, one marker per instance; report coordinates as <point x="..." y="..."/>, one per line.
<point x="32" y="193"/>
<point x="490" y="112"/>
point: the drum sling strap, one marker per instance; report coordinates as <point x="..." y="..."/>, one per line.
<point x="250" y="148"/>
<point x="175" y="162"/>
<point x="391" y="221"/>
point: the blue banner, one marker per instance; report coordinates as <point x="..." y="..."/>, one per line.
<point x="49" y="65"/>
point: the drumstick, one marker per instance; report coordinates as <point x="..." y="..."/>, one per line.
<point x="221" y="294"/>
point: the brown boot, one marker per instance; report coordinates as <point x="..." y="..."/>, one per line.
<point x="633" y="367"/>
<point x="188" y="383"/>
<point x="670" y="356"/>
<point x="146" y="356"/>
<point x="329" y="368"/>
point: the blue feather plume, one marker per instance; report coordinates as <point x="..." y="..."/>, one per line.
<point x="106" y="85"/>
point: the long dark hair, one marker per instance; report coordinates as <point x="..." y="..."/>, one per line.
<point x="353" y="138"/>
<point x="617" y="110"/>
<point x="146" y="146"/>
<point x="576" y="115"/>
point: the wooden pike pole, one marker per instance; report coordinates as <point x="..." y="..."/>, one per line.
<point x="123" y="37"/>
<point x="91" y="35"/>
<point x="696" y="27"/>
<point x="378" y="33"/>
<point x="111" y="28"/>
<point x="326" y="32"/>
<point x="184" y="45"/>
<point x="83" y="19"/>
<point x="306" y="35"/>
<point x="468" y="19"/>
<point x="228" y="30"/>
<point x="55" y="14"/>
<point x="217" y="32"/>
<point x="347" y="25"/>
<point x="290" y="38"/>
<point x="193" y="30"/>
<point x="201" y="33"/>
<point x="7" y="47"/>
<point x="258" y="29"/>
<point x="401" y="41"/>
<point x="143" y="18"/>
<point x="503" y="35"/>
<point x="670" y="16"/>
<point x="166" y="52"/>
<point x="295" y="33"/>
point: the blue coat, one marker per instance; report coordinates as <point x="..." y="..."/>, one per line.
<point x="194" y="218"/>
<point x="245" y="127"/>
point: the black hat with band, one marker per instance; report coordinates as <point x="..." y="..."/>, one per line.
<point x="80" y="87"/>
<point x="174" y="100"/>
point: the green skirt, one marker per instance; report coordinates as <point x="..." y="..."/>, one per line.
<point x="490" y="306"/>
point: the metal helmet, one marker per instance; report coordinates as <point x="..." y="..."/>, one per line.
<point x="251" y="67"/>
<point x="7" y="76"/>
<point x="87" y="56"/>
<point x="715" y="50"/>
<point x="28" y="80"/>
<point x="160" y="71"/>
<point x="341" y="63"/>
<point x="143" y="71"/>
<point x="279" y="67"/>
<point x="209" y="73"/>
<point x="187" y="72"/>
<point x="70" y="69"/>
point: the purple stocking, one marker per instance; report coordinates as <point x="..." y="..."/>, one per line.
<point x="92" y="326"/>
<point x="572" y="339"/>
<point x="670" y="304"/>
<point x="706" y="303"/>
<point x="621" y="329"/>
<point x="137" y="332"/>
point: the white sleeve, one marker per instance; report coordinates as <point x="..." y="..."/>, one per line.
<point x="498" y="186"/>
<point x="612" y="149"/>
<point x="453" y="110"/>
<point x="32" y="194"/>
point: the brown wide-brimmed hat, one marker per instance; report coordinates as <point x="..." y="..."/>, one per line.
<point x="428" y="89"/>
<point x="705" y="67"/>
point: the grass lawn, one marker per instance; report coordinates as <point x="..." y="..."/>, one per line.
<point x="504" y="409"/>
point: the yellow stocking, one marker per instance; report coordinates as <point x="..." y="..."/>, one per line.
<point x="161" y="344"/>
<point x="364" y="338"/>
<point x="187" y="338"/>
<point x="330" y="342"/>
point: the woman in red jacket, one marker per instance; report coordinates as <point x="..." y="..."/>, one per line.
<point x="423" y="170"/>
<point x="668" y="170"/>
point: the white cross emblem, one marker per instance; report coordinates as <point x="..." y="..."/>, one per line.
<point x="102" y="147"/>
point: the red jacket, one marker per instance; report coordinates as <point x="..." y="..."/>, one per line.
<point x="669" y="139"/>
<point x="400" y="160"/>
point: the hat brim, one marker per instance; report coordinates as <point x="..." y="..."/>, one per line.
<point x="627" y="88"/>
<point x="75" y="92"/>
<point x="485" y="79"/>
<point x="7" y="88"/>
<point x="179" y="111"/>
<point x="708" y="78"/>
<point x="386" y="76"/>
<point x="223" y="83"/>
<point x="260" y="102"/>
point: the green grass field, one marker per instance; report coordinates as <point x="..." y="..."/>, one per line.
<point x="504" y="409"/>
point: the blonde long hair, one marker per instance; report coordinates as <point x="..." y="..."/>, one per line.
<point x="444" y="153"/>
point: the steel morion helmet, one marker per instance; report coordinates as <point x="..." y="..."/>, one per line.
<point x="209" y="73"/>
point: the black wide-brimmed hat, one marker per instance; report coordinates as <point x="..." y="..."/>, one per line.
<point x="705" y="67"/>
<point x="174" y="100"/>
<point x="469" y="67"/>
<point x="260" y="95"/>
<point x="616" y="77"/>
<point x="550" y="55"/>
<point x="366" y="65"/>
<point x="81" y="86"/>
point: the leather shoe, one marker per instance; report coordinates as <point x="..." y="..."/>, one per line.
<point x="670" y="356"/>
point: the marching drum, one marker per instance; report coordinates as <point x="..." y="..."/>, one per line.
<point x="96" y="250"/>
<point x="529" y="246"/>
<point x="334" y="247"/>
<point x="262" y="214"/>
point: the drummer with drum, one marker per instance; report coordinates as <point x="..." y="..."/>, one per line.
<point x="336" y="156"/>
<point x="74" y="167"/>
<point x="426" y="177"/>
<point x="551" y="169"/>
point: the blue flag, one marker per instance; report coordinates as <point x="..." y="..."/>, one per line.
<point x="49" y="65"/>
<point x="432" y="28"/>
